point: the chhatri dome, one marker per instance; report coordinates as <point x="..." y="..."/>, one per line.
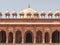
<point x="57" y="13"/>
<point x="50" y="13"/>
<point x="43" y="13"/>
<point x="28" y="12"/>
<point x="14" y="13"/>
<point x="7" y="13"/>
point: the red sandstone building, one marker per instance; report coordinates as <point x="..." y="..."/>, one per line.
<point x="31" y="28"/>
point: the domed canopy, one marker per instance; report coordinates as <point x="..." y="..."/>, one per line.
<point x="0" y="13"/>
<point x="7" y="13"/>
<point x="21" y="13"/>
<point x="43" y="13"/>
<point x="36" y="14"/>
<point x="57" y="13"/>
<point x="50" y="13"/>
<point x="28" y="10"/>
<point x="29" y="14"/>
<point x="14" y="13"/>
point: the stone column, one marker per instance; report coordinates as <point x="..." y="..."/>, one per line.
<point x="13" y="37"/>
<point x="43" y="36"/>
<point x="22" y="37"/>
<point x="50" y="37"/>
<point x="43" y="39"/>
<point x="34" y="34"/>
<point x="34" y="37"/>
<point x="7" y="37"/>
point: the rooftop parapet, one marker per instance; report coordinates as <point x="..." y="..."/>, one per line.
<point x="30" y="13"/>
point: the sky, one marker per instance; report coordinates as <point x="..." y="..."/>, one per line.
<point x="34" y="4"/>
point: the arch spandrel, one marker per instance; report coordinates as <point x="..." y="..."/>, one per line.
<point x="3" y="28"/>
<point x="28" y="29"/>
<point x="55" y="30"/>
<point x="20" y="30"/>
<point x="11" y="29"/>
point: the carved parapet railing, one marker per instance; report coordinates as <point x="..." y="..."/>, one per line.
<point x="30" y="20"/>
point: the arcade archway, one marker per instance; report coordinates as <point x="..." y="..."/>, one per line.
<point x="28" y="37"/>
<point x="55" y="37"/>
<point x="2" y="37"/>
<point x="39" y="37"/>
<point x="18" y="37"/>
<point x="10" y="37"/>
<point x="47" y="38"/>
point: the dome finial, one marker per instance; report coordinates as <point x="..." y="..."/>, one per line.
<point x="28" y="5"/>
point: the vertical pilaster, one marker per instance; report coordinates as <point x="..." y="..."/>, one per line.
<point x="50" y="38"/>
<point x="13" y="37"/>
<point x="34" y="34"/>
<point x="34" y="37"/>
<point x="43" y="37"/>
<point x="23" y="35"/>
<point x="7" y="37"/>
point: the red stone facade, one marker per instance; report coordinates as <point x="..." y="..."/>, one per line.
<point x="39" y="31"/>
<point x="29" y="28"/>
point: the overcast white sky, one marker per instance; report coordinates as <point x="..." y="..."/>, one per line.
<point x="35" y="4"/>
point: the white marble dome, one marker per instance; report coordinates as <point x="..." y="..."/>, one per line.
<point x="57" y="13"/>
<point x="50" y="13"/>
<point x="29" y="11"/>
<point x="43" y="13"/>
<point x="21" y="13"/>
<point x="14" y="12"/>
<point x="7" y="12"/>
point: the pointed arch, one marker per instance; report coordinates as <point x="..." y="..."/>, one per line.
<point x="10" y="37"/>
<point x="55" y="37"/>
<point x="28" y="37"/>
<point x="47" y="37"/>
<point x="18" y="37"/>
<point x="39" y="37"/>
<point x="2" y="37"/>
